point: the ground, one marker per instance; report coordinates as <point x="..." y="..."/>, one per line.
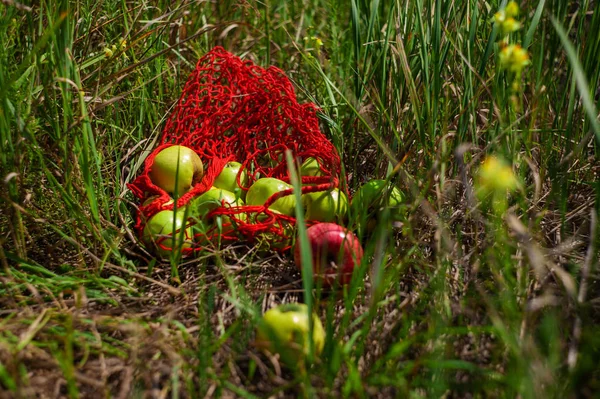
<point x="488" y="287"/>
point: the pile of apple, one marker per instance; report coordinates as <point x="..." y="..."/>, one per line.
<point x="176" y="170"/>
<point x="336" y="251"/>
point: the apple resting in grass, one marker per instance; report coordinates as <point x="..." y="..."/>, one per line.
<point x="227" y="179"/>
<point x="264" y="188"/>
<point x="373" y="196"/>
<point x="159" y="229"/>
<point x="176" y="170"/>
<point x="325" y="206"/>
<point x="284" y="329"/>
<point x="336" y="252"/>
<point x="210" y="200"/>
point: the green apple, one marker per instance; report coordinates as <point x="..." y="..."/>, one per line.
<point x="274" y="160"/>
<point x="210" y="200"/>
<point x="325" y="206"/>
<point x="159" y="229"/>
<point x="373" y="196"/>
<point x="284" y="329"/>
<point x="213" y="199"/>
<point x="176" y="170"/>
<point x="264" y="188"/>
<point x="153" y="198"/>
<point x="310" y="167"/>
<point x="270" y="240"/>
<point x="227" y="179"/>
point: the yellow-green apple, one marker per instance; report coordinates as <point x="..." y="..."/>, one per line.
<point x="227" y="179"/>
<point x="176" y="169"/>
<point x="207" y="202"/>
<point x="166" y="232"/>
<point x="213" y="199"/>
<point x="274" y="160"/>
<point x="325" y="206"/>
<point x="264" y="188"/>
<point x="270" y="240"/>
<point x="336" y="252"/>
<point x="371" y="198"/>
<point x="310" y="167"/>
<point x="153" y="198"/>
<point x="285" y="330"/>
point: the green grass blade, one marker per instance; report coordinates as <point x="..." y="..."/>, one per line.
<point x="534" y="23"/>
<point x="580" y="78"/>
<point x="305" y="249"/>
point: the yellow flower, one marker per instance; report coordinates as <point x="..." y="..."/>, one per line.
<point x="505" y="19"/>
<point x="122" y="44"/>
<point x="510" y="25"/>
<point x="496" y="175"/>
<point x="108" y="52"/>
<point x="313" y="45"/>
<point x="313" y="40"/>
<point x="514" y="58"/>
<point x="512" y="9"/>
<point x="500" y="17"/>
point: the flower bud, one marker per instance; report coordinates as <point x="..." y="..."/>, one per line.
<point x="514" y="58"/>
<point x="496" y="175"/>
<point x="512" y="9"/>
<point x="510" y="25"/>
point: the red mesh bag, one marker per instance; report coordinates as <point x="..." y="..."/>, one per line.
<point x="233" y="110"/>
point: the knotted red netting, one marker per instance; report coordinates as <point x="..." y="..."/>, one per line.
<point x="233" y="110"/>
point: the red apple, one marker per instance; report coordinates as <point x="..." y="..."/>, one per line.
<point x="335" y="252"/>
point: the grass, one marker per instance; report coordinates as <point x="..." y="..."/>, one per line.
<point x="467" y="298"/>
